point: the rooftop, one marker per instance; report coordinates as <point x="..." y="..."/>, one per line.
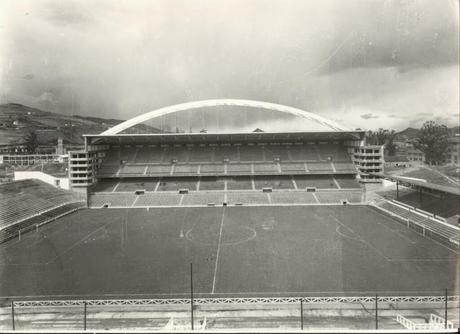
<point x="190" y="138"/>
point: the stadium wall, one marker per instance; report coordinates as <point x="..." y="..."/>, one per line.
<point x="58" y="182"/>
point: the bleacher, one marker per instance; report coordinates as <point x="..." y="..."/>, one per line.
<point x="22" y="199"/>
<point x="347" y="181"/>
<point x="274" y="182"/>
<point x="98" y="200"/>
<point x="273" y="152"/>
<point x="332" y="152"/>
<point x="315" y="181"/>
<point x="157" y="199"/>
<point x="421" y="221"/>
<point x="158" y="170"/>
<point x="266" y="168"/>
<point x="224" y="152"/>
<point x="293" y="168"/>
<point x="220" y="196"/>
<point x="239" y="183"/>
<point x="203" y="198"/>
<point x="247" y="197"/>
<point x="109" y="170"/>
<point x="320" y="167"/>
<point x="185" y="170"/>
<point x="174" y="184"/>
<point x="131" y="185"/>
<point x="212" y="169"/>
<point x="27" y="202"/>
<point x="11" y="231"/>
<point x="338" y="197"/>
<point x="251" y="153"/>
<point x="345" y="167"/>
<point x="235" y="169"/>
<point x="212" y="183"/>
<point x="132" y="170"/>
<point x="292" y="197"/>
<point x="238" y="173"/>
<point x="445" y="206"/>
<point x="226" y="160"/>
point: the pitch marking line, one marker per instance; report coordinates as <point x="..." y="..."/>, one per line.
<point x="387" y="258"/>
<point x="218" y="250"/>
<point x="77" y="243"/>
<point x="359" y="238"/>
<point x="392" y="219"/>
<point x="316" y="198"/>
<point x="116" y="186"/>
<point x="394" y="231"/>
<point x="337" y="230"/>
<point x="336" y="183"/>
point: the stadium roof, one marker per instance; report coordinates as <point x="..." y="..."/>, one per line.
<point x="427" y="185"/>
<point x="198" y="138"/>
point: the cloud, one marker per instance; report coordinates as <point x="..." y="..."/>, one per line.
<point x="368" y="116"/>
<point x="339" y="59"/>
<point x="67" y="12"/>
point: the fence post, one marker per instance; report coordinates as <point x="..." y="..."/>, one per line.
<point x="84" y="318"/>
<point x="301" y="313"/>
<point x="445" y="309"/>
<point x="191" y="294"/>
<point x="12" y="315"/>
<point x="376" y="312"/>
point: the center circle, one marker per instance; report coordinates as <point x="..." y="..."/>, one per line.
<point x="231" y="235"/>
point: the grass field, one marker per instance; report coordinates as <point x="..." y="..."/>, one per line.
<point x="235" y="251"/>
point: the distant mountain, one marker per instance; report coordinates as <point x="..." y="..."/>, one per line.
<point x="411" y="133"/>
<point x="407" y="134"/>
<point x="16" y="120"/>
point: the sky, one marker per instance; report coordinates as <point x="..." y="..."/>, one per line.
<point x="363" y="63"/>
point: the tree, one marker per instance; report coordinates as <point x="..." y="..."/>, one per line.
<point x="433" y="141"/>
<point x="31" y="142"/>
<point x="382" y="137"/>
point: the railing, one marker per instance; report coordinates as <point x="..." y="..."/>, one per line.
<point x="237" y="301"/>
<point x="435" y="322"/>
<point x="450" y="232"/>
<point x="440" y="322"/>
<point x="18" y="228"/>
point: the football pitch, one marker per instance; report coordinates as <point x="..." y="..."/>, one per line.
<point x="235" y="251"/>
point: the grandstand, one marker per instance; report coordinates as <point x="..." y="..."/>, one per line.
<point x="274" y="163"/>
<point x="424" y="223"/>
<point x="31" y="202"/>
<point x="241" y="169"/>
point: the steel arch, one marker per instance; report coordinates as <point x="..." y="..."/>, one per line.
<point x="224" y="102"/>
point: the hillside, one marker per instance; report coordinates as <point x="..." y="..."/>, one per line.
<point x="16" y="120"/>
<point x="411" y="133"/>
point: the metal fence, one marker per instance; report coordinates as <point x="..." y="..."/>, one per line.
<point x="259" y="313"/>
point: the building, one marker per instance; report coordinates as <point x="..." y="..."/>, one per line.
<point x="369" y="159"/>
<point x="397" y="161"/>
<point x="30" y="159"/>
<point x="407" y="149"/>
<point x="453" y="152"/>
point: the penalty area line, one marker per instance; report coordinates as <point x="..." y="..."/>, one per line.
<point x="218" y="251"/>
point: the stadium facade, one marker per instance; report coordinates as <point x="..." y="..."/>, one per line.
<point x="115" y="154"/>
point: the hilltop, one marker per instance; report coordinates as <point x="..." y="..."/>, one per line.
<point x="412" y="133"/>
<point x="16" y="120"/>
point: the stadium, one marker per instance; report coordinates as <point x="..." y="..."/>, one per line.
<point x="231" y="217"/>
